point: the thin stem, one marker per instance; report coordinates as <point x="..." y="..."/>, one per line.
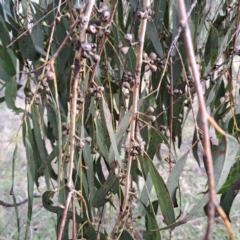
<point x="103" y="43"/>
<point x="203" y="113"/>
<point x="140" y="45"/>
<point x="74" y="84"/>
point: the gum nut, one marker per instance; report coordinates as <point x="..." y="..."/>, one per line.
<point x="49" y="75"/>
<point x="153" y="56"/>
<point x="126" y="85"/>
<point x="150" y="109"/>
<point x="128" y="37"/>
<point x="152" y="118"/>
<point x="92" y="29"/>
<point x="86" y="47"/>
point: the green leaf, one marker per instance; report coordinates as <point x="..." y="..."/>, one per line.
<point x="7" y="69"/>
<point x="90" y="172"/>
<point x="156" y="138"/>
<point x="30" y="175"/>
<point x="4" y="36"/>
<point x="173" y="179"/>
<point x="37" y="31"/>
<point x="10" y="95"/>
<point x="42" y="151"/>
<point x="211" y="50"/>
<point x="228" y="198"/>
<point x="224" y="157"/>
<point x="12" y="190"/>
<point x="164" y="198"/>
<point x="153" y="35"/>
<point x="151" y="224"/>
<point x="125" y="236"/>
<point x="101" y="139"/>
<point x="112" y="184"/>
<point x="108" y="120"/>
<point x="27" y="47"/>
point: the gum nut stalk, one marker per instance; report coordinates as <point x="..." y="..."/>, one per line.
<point x="124" y="50"/>
<point x="153" y="68"/>
<point x="88" y="139"/>
<point x="95" y="58"/>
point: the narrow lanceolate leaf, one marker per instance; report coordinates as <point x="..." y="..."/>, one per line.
<point x="108" y="120"/>
<point x="228" y="198"/>
<point x="172" y="182"/>
<point x="90" y="172"/>
<point x="224" y="156"/>
<point x="151" y="224"/>
<point x="27" y="47"/>
<point x="7" y="69"/>
<point x="12" y="190"/>
<point x="10" y="95"/>
<point x="4" y="36"/>
<point x="126" y="236"/>
<point x="153" y="35"/>
<point x="164" y="198"/>
<point x="30" y="173"/>
<point x="40" y="143"/>
<point x="122" y="128"/>
<point x="99" y="199"/>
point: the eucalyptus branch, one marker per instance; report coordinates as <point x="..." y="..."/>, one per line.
<point x="102" y="44"/>
<point x="141" y="38"/>
<point x="74" y="84"/>
<point x="204" y="115"/>
<point x="173" y="44"/>
<point x="22" y="34"/>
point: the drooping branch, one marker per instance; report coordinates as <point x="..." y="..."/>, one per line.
<point x="141" y="37"/>
<point x="78" y="67"/>
<point x="204" y="115"/>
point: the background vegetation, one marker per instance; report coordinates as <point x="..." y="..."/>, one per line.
<point x="110" y="122"/>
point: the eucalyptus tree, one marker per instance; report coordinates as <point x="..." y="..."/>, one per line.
<point x="109" y="83"/>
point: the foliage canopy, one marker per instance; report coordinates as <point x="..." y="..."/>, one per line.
<point x="106" y="86"/>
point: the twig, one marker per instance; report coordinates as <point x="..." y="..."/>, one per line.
<point x="103" y="44"/>
<point x="189" y="94"/>
<point x="204" y="115"/>
<point x="141" y="38"/>
<point x="64" y="216"/>
<point x="224" y="217"/>
<point x="74" y="235"/>
<point x="173" y="44"/>
<point x="19" y="203"/>
<point x="9" y="45"/>
<point x="74" y="85"/>
<point x="171" y="116"/>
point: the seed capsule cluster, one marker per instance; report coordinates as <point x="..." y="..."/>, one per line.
<point x="96" y="91"/>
